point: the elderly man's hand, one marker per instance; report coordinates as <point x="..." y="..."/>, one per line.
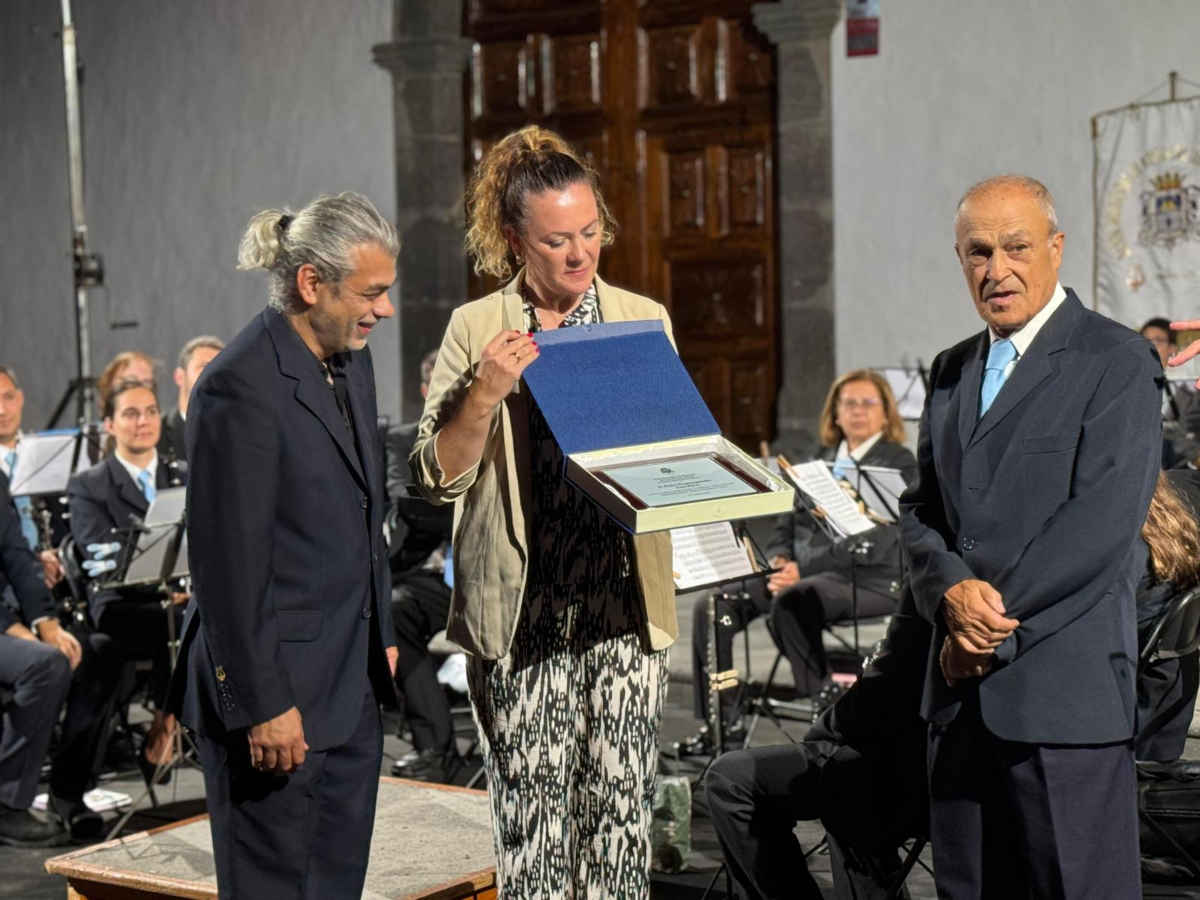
<point x="958" y="664"/>
<point x="1191" y="350"/>
<point x="974" y="613"/>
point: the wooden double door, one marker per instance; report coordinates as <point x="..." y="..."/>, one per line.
<point x="673" y="103"/>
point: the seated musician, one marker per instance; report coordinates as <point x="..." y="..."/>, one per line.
<point x="105" y="501"/>
<point x="861" y="769"/>
<point x="860" y="424"/>
<point x="195" y="355"/>
<point x="12" y="406"/>
<point x="129" y="365"/>
<point x="419" y="546"/>
<point x="43" y="664"/>
<point x="1166" y="691"/>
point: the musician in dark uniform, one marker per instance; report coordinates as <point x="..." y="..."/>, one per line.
<point x="105" y="501"/>
<point x="418" y="550"/>
<point x="288" y="646"/>
<point x="195" y="355"/>
<point x="45" y="665"/>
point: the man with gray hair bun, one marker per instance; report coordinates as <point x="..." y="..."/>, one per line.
<point x="1037" y="457"/>
<point x="287" y="644"/>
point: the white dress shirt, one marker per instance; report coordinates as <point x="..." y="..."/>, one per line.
<point x="857" y="454"/>
<point x="1023" y="338"/>
<point x="135" y="472"/>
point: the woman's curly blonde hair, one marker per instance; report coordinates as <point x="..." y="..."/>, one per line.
<point x="525" y="163"/>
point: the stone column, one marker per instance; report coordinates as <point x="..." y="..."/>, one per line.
<point x="800" y="31"/>
<point x="427" y="58"/>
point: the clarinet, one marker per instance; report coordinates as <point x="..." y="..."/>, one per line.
<point x="717" y="680"/>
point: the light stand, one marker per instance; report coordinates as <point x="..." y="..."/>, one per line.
<point x="89" y="267"/>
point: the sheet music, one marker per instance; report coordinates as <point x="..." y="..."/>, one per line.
<point x="909" y="390"/>
<point x="43" y="464"/>
<point x="167" y="508"/>
<point x="816" y="481"/>
<point x="708" y="554"/>
<point x="880" y="489"/>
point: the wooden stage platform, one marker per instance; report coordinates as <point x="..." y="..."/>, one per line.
<point x="431" y="842"/>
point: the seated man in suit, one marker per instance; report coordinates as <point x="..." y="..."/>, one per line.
<point x="861" y="768"/>
<point x="1181" y="414"/>
<point x="44" y="664"/>
<point x="419" y="547"/>
<point x="105" y="501"/>
<point x="195" y="355"/>
<point x="860" y="424"/>
<point x="12" y="406"/>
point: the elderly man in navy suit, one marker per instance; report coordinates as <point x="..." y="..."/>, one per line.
<point x="1037" y="457"/>
<point x="288" y="644"/>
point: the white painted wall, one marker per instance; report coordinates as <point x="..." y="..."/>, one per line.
<point x="196" y="116"/>
<point x="961" y="90"/>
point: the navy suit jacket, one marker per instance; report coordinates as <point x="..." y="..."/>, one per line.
<point x="20" y="569"/>
<point x="1044" y="499"/>
<point x="291" y="592"/>
<point x="101" y="499"/>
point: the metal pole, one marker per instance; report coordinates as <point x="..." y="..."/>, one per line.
<point x="83" y="267"/>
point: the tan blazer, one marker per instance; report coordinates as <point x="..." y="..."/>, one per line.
<point x="490" y="500"/>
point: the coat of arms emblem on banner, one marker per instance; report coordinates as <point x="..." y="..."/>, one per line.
<point x="1170" y="211"/>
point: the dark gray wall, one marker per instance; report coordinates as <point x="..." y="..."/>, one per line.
<point x="196" y="116"/>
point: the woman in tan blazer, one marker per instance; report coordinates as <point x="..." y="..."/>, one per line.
<point x="566" y="616"/>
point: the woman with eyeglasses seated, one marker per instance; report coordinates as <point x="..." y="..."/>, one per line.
<point x="105" y="501"/>
<point x="860" y="425"/>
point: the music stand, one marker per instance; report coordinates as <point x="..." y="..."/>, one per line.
<point x="156" y="554"/>
<point x="908" y="386"/>
<point x="721" y="681"/>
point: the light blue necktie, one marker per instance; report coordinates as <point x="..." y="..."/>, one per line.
<point x="842" y="467"/>
<point x="148" y="489"/>
<point x="1002" y="353"/>
<point x="24" y="505"/>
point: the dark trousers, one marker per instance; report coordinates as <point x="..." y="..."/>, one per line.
<point x="735" y="612"/>
<point x="420" y="607"/>
<point x="756" y="797"/>
<point x="41" y="679"/>
<point x="140" y="629"/>
<point x="799" y="614"/>
<point x="305" y="835"/>
<point x="1014" y="820"/>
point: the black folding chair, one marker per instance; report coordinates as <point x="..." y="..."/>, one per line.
<point x="1176" y="633"/>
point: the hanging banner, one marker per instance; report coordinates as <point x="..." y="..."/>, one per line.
<point x="1147" y="202"/>
<point x="862" y="27"/>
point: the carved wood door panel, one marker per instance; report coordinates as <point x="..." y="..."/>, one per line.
<point x="672" y="101"/>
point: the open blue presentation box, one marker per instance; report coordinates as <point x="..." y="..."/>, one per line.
<point x="636" y="435"/>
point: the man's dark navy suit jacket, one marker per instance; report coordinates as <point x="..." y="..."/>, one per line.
<point x="1044" y="499"/>
<point x="292" y="599"/>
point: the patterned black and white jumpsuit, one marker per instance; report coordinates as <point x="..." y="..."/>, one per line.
<point x="568" y="720"/>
